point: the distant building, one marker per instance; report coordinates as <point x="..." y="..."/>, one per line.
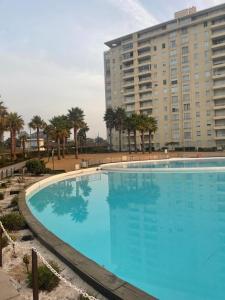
<point x="31" y="144"/>
<point x="175" y="72"/>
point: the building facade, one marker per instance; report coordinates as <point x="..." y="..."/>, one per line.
<point x="175" y="72"/>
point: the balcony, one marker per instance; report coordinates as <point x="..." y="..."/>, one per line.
<point x="218" y="45"/>
<point x="218" y="34"/>
<point x="218" y="75"/>
<point x="219" y="137"/>
<point x="217" y="107"/>
<point x="222" y="117"/>
<point x="219" y="127"/>
<point x="218" y="65"/>
<point x="128" y="83"/>
<point x="219" y="86"/>
<point x="218" y="54"/>
<point x="218" y="25"/>
<point x="218" y="97"/>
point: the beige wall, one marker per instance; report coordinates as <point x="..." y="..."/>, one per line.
<point x="181" y="50"/>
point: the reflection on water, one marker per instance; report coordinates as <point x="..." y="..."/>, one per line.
<point x="164" y="233"/>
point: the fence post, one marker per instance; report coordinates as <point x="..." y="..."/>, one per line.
<point x="1" y="232"/>
<point x="34" y="275"/>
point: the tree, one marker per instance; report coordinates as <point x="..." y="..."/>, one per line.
<point x="131" y="126"/>
<point x="48" y="132"/>
<point x="23" y="138"/>
<point x="82" y="135"/>
<point x="61" y="127"/>
<point x="3" y="120"/>
<point x="128" y="127"/>
<point x="37" y="123"/>
<point x="14" y="124"/>
<point x="151" y="127"/>
<point x="142" y="126"/>
<point x="120" y="117"/>
<point x="76" y="117"/>
<point x="109" y="119"/>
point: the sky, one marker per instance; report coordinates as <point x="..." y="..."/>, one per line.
<point x="51" y="51"/>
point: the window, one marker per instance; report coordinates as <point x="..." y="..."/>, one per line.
<point x="175" y="109"/>
<point x="164" y="82"/>
<point x="184" y="50"/>
<point x="155" y="48"/>
<point x="165" y="108"/>
<point x="163" y="46"/>
<point x="174" y="99"/>
<point x="184" y="59"/>
<point x="174" y="89"/>
<point x="208" y="113"/>
<point x="185" y="69"/>
<point x="186" y="87"/>
<point x="165" y="118"/>
<point x="175" y="125"/>
<point x="209" y="132"/>
<point x="173" y="60"/>
<point x="187" y="107"/>
<point x="187" y="135"/>
<point x="197" y="123"/>
<point x="173" y="82"/>
<point x="187" y="116"/>
<point x="173" y="72"/>
<point x="196" y="75"/>
<point x="184" y="40"/>
<point x="186" y="98"/>
<point x="197" y="104"/>
<point x="186" y="78"/>
<point x="165" y="90"/>
<point x="205" y="24"/>
<point x="173" y="44"/>
<point x="184" y="30"/>
<point x="175" y="117"/>
<point x="173" y="52"/>
<point x="197" y="114"/>
<point x="127" y="46"/>
<point x="196" y="56"/>
<point x="187" y="125"/>
<point x="198" y="133"/>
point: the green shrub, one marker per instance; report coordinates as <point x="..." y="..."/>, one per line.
<point x="5" y="242"/>
<point x="13" y="221"/>
<point x="35" y="166"/>
<point x="4" y="185"/>
<point x="1" y="196"/>
<point x="14" y="201"/>
<point x="81" y="297"/>
<point x="47" y="281"/>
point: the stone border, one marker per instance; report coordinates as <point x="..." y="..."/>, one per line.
<point x="122" y="166"/>
<point x="99" y="278"/>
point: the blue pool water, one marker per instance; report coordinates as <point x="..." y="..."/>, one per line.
<point x="180" y="164"/>
<point x="164" y="233"/>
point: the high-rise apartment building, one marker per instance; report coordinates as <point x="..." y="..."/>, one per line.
<point x="175" y="72"/>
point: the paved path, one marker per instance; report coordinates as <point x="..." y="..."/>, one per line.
<point x="7" y="171"/>
<point x="7" y="290"/>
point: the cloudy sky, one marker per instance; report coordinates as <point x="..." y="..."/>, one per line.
<point x="51" y="51"/>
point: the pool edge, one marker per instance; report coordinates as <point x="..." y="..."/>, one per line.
<point x="99" y="278"/>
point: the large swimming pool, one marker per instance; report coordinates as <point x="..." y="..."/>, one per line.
<point x="162" y="232"/>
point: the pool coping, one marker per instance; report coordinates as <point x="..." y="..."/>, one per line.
<point x="98" y="277"/>
<point x="122" y="166"/>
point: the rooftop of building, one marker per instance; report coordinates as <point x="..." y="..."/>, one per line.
<point x="180" y="15"/>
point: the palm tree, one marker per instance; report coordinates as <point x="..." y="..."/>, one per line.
<point x="61" y="128"/>
<point x="3" y="120"/>
<point x="82" y="135"/>
<point x="120" y="117"/>
<point x="48" y="132"/>
<point x="37" y="123"/>
<point x="76" y="117"/>
<point x="142" y="126"/>
<point x="23" y="138"/>
<point x="109" y="119"/>
<point x="14" y="124"/>
<point x="151" y="127"/>
<point x="128" y="127"/>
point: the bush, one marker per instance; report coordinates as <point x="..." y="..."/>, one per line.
<point x="4" y="185"/>
<point x="5" y="242"/>
<point x="14" y="201"/>
<point x="13" y="221"/>
<point x="35" y="166"/>
<point x="1" y="196"/>
<point x="47" y="281"/>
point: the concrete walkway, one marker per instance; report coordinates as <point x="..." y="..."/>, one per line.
<point x="7" y="290"/>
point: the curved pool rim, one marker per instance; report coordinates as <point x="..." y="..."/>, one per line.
<point x="121" y="166"/>
<point x="99" y="278"/>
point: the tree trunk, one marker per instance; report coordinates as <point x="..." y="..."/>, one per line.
<point x="14" y="145"/>
<point x="129" y="141"/>
<point x="58" y="148"/>
<point x="142" y="142"/>
<point x="75" y="142"/>
<point x="110" y="139"/>
<point x="149" y="142"/>
<point x="135" y="141"/>
<point x="63" y="146"/>
<point x="119" y="140"/>
<point x="11" y="144"/>
<point x="38" y="142"/>
<point x="23" y="145"/>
